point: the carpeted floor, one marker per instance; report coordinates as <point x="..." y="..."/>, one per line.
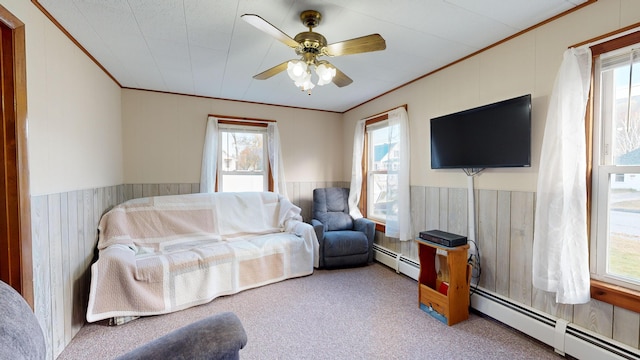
<point x="362" y="313"/>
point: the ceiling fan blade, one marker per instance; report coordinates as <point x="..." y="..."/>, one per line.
<point x="271" y="72"/>
<point x="341" y="79"/>
<point x="373" y="42"/>
<point x="266" y="27"/>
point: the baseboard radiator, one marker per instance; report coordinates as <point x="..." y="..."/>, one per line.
<point x="566" y="338"/>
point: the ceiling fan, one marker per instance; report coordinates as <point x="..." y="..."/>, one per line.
<point x="310" y="46"/>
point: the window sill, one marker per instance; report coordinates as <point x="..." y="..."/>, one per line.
<point x="615" y="295"/>
<point x="379" y="226"/>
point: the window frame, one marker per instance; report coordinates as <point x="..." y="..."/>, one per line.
<point x="603" y="289"/>
<point x="364" y="200"/>
<point x="251" y="125"/>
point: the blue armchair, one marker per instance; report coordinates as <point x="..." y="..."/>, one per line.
<point x="344" y="241"/>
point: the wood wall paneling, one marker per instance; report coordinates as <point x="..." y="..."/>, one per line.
<point x="596" y="316"/>
<point x="42" y="268"/>
<point x="418" y="209"/>
<point x="432" y="208"/>
<point x="521" y="247"/>
<point x="457" y="213"/>
<point x="503" y="243"/>
<point x="443" y="211"/>
<point x="56" y="273"/>
<point x="64" y="230"/>
<point x="626" y="327"/>
<point x="487" y="213"/>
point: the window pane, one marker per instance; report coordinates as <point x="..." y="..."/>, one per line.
<point x="383" y="191"/>
<point x="242" y="161"/>
<point x="626" y="112"/>
<point x="623" y="251"/>
<point x="383" y="166"/>
<point x="242" y="151"/>
<point x="237" y="183"/>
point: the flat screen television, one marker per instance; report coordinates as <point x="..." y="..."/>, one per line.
<point x="489" y="136"/>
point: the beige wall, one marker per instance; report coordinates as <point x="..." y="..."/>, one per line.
<point x="526" y="64"/>
<point x="73" y="114"/>
<point x="163" y="137"/>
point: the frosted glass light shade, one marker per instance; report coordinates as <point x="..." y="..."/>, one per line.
<point x="325" y="74"/>
<point x="305" y="84"/>
<point x="297" y="70"/>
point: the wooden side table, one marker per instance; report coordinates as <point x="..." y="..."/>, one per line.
<point x="443" y="292"/>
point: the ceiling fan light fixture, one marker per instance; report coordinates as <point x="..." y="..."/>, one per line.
<point x="297" y="70"/>
<point x="326" y="73"/>
<point x="310" y="45"/>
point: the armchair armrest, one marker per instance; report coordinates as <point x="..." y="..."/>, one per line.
<point x="217" y="337"/>
<point x="318" y="227"/>
<point x="368" y="227"/>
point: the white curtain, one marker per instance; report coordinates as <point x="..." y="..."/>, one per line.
<point x="356" y="171"/>
<point x="396" y="226"/>
<point x="209" y="157"/>
<point x="275" y="160"/>
<point x="560" y="243"/>
<point x="399" y="226"/>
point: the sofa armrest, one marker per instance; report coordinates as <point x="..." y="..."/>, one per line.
<point x="368" y="227"/>
<point x="220" y="336"/>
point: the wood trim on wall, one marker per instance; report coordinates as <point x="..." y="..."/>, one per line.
<point x="15" y="98"/>
<point x="615" y="295"/>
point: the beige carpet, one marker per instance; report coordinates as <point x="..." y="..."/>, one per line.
<point x="362" y="313"/>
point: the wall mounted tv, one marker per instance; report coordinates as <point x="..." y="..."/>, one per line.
<point x="489" y="136"/>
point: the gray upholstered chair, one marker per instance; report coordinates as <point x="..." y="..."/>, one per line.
<point x="21" y="336"/>
<point x="344" y="241"/>
<point x="219" y="336"/>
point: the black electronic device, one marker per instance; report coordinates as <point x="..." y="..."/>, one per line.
<point x="489" y="136"/>
<point x="443" y="238"/>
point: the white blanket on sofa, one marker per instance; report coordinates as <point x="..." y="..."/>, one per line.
<point x="167" y="253"/>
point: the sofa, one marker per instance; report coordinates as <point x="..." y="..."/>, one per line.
<point x="167" y="253"/>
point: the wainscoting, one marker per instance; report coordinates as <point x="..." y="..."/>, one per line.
<point x="64" y="230"/>
<point x="505" y="238"/>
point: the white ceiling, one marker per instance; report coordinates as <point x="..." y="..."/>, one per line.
<point x="202" y="47"/>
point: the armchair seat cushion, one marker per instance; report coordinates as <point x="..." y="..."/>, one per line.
<point x="345" y="242"/>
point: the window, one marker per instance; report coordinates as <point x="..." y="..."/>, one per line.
<point x="243" y="158"/>
<point x="615" y="217"/>
<point x="382" y="169"/>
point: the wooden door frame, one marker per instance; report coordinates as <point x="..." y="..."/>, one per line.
<point x="19" y="251"/>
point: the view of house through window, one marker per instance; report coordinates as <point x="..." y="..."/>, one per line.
<point x="617" y="167"/>
<point x="243" y="159"/>
<point x="382" y="170"/>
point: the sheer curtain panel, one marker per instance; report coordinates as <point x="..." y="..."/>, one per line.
<point x="355" y="190"/>
<point x="209" y="157"/>
<point x="397" y="223"/>
<point x="560" y="242"/>
<point x="275" y="160"/>
<point x="399" y="226"/>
